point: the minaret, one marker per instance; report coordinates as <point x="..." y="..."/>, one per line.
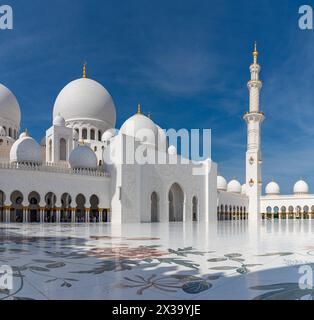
<point x="254" y="119"/>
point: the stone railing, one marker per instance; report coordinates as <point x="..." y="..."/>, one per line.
<point x="54" y="167"/>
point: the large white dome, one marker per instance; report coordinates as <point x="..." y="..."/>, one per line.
<point x="25" y="150"/>
<point x="301" y="187"/>
<point x="234" y="186"/>
<point x="142" y="128"/>
<point x="83" y="157"/>
<point x="272" y="188"/>
<point x="86" y="99"/>
<point x="221" y="183"/>
<point x="9" y="107"/>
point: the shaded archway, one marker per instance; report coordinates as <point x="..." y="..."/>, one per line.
<point x="276" y="212"/>
<point x="92" y="134"/>
<point x="298" y="212"/>
<point x="33" y="207"/>
<point x="290" y="210"/>
<point x="176" y="203"/>
<point x="269" y="212"/>
<point x="84" y="134"/>
<point x="154" y="207"/>
<point x="50" y="150"/>
<point x="283" y="212"/>
<point x="2" y="201"/>
<point x="63" y="150"/>
<point x="16" y="213"/>
<point x="195" y="209"/>
<point x="80" y="208"/>
<point x="65" y="214"/>
<point x="94" y="210"/>
<point x="50" y="200"/>
<point x="306" y="210"/>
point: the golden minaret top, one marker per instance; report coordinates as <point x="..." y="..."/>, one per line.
<point x="255" y="52"/>
<point x="84" y="70"/>
<point x="139" y="109"/>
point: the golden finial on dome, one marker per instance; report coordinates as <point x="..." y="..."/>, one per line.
<point x="84" y="70"/>
<point x="149" y="115"/>
<point x="139" y="109"/>
<point x="26" y="133"/>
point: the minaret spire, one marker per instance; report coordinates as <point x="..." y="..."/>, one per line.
<point x="255" y="53"/>
<point x="254" y="119"/>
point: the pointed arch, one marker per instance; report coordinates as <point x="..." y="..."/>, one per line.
<point x="154" y="207"/>
<point x="176" y="203"/>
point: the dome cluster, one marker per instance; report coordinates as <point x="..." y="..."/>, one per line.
<point x="233" y="186"/>
<point x="299" y="188"/>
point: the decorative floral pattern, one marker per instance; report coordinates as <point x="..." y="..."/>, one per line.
<point x="49" y="265"/>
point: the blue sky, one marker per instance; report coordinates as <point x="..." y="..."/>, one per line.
<point x="185" y="61"/>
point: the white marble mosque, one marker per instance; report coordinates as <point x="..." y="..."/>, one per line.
<point x="75" y="226"/>
<point x="67" y="178"/>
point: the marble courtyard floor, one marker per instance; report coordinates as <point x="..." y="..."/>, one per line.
<point x="227" y="260"/>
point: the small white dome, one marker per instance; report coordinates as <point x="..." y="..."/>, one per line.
<point x="243" y="189"/>
<point x="2" y="132"/>
<point x="234" y="186"/>
<point x="301" y="187"/>
<point x="86" y="99"/>
<point x="172" y="150"/>
<point x="108" y="134"/>
<point x="83" y="157"/>
<point x="272" y="188"/>
<point x="142" y="128"/>
<point x="25" y="149"/>
<point x="162" y="139"/>
<point x="9" y="107"/>
<point x="59" y="121"/>
<point x="221" y="183"/>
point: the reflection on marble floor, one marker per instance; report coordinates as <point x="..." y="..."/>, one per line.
<point x="228" y="260"/>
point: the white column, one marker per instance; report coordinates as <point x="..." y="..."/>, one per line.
<point x="87" y="215"/>
<point x="57" y="215"/>
<point x="73" y="215"/>
<point x="42" y="215"/>
<point x="25" y="215"/>
<point x="7" y="215"/>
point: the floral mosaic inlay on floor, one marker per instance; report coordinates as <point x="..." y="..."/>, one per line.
<point x="228" y="260"/>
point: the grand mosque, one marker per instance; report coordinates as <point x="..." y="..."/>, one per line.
<point x="77" y="173"/>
